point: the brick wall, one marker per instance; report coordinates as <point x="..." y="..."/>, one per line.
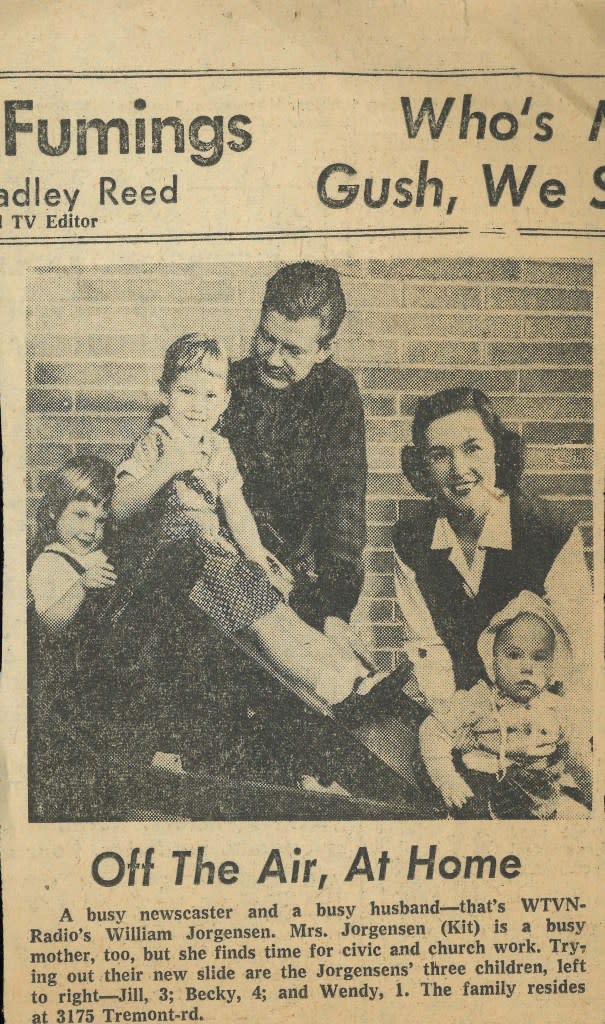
<point x="520" y="330"/>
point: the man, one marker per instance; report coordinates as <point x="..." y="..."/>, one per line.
<point x="296" y="426"/>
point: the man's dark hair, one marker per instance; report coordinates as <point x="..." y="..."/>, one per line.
<point x="307" y="289"/>
<point x="509" y="445"/>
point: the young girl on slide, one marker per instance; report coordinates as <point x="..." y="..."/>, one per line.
<point x="185" y="469"/>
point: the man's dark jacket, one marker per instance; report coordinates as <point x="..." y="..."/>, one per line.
<point x="301" y="452"/>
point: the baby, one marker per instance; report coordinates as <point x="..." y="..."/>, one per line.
<point x="499" y="749"/>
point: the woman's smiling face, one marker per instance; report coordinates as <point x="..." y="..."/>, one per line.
<point x="460" y="459"/>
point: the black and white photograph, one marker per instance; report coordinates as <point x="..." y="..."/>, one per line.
<point x="310" y="540"/>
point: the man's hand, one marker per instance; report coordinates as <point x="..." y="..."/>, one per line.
<point x="345" y="636"/>
<point x="454" y="790"/>
<point x="279" y="577"/>
<point x="99" y="576"/>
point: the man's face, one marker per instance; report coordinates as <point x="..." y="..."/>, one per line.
<point x="287" y="350"/>
<point x="523" y="658"/>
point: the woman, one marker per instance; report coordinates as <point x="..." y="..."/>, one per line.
<point x="479" y="542"/>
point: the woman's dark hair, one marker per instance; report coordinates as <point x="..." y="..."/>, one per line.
<point x="509" y="445"/>
<point x="82" y="478"/>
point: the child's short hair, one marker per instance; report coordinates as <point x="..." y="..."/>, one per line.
<point x="189" y="352"/>
<point x="82" y="478"/>
<point x="307" y="289"/>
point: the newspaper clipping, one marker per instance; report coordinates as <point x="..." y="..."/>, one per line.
<point x="302" y="693"/>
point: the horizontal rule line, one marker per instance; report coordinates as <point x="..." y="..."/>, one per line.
<point x="564" y="232"/>
<point x="293" y="72"/>
<point x="212" y="236"/>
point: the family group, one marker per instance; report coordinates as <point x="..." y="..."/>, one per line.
<point x="245" y="498"/>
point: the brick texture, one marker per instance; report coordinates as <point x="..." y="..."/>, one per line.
<point x="521" y="330"/>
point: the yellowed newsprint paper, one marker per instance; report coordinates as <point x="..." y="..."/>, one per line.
<point x="302" y="373"/>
